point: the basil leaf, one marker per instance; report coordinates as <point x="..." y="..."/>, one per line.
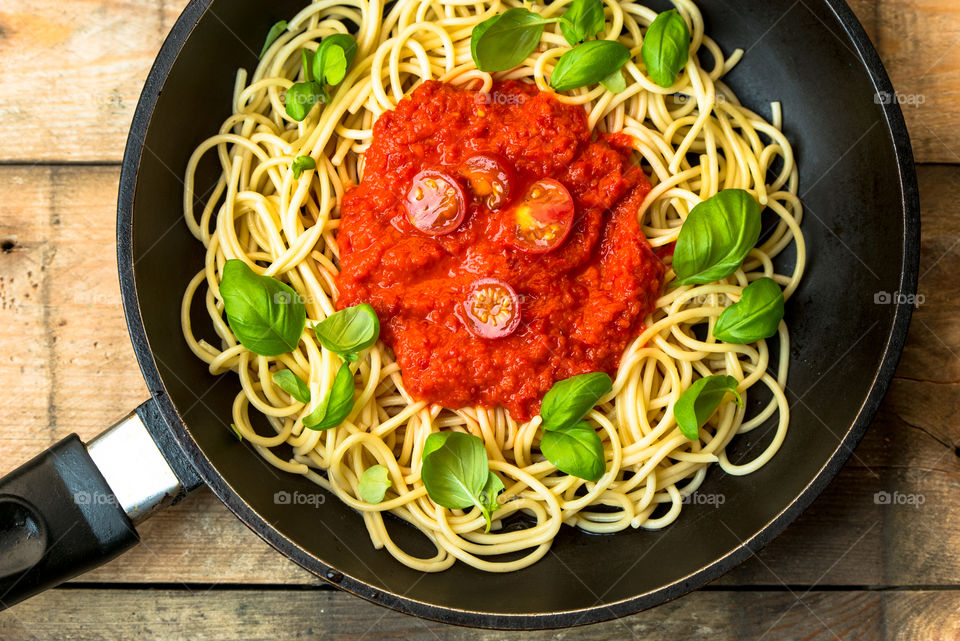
<point x="576" y="450"/>
<point x="699" y="401"/>
<point x="292" y="385"/>
<point x="504" y="42"/>
<point x="716" y="237"/>
<point x="301" y="164"/>
<point x="337" y="404"/>
<point x="455" y="471"/>
<point x="582" y="19"/>
<point x="615" y="82"/>
<point x="307" y="61"/>
<point x="266" y="315"/>
<point x="588" y="64"/>
<point x="374" y="483"/>
<point x="301" y="98"/>
<point x="334" y="56"/>
<point x="755" y="316"/>
<point x="569" y="400"/>
<point x="275" y="32"/>
<point x="488" y="497"/>
<point x="349" y="331"/>
<point x="666" y="47"/>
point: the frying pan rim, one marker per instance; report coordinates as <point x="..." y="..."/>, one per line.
<point x="895" y="127"/>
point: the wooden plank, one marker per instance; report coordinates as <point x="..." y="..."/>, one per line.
<point x="77" y="105"/>
<point x="67" y="366"/>
<point x="255" y="615"/>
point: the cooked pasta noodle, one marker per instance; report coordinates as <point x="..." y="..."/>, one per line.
<point x="693" y="139"/>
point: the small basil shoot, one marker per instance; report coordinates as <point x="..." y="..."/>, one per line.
<point x="615" y="82"/>
<point x="307" y="62"/>
<point x="301" y="164"/>
<point x="336" y="406"/>
<point x="589" y="63"/>
<point x="301" y="98"/>
<point x="569" y="400"/>
<point x="334" y="56"/>
<point x="275" y="32"/>
<point x="503" y="42"/>
<point x="236" y="431"/>
<point x="576" y="450"/>
<point x="457" y="474"/>
<point x="716" y="237"/>
<point x="755" y="316"/>
<point x="292" y="385"/>
<point x="349" y="331"/>
<point x="699" y="401"/>
<point x="266" y="316"/>
<point x="666" y="47"/>
<point x="582" y="19"/>
<point x="374" y="483"/>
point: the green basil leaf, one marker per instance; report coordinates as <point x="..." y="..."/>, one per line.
<point x="307" y="61"/>
<point x="615" y="82"/>
<point x="716" y="237"/>
<point x="349" y="331"/>
<point x="455" y="469"/>
<point x="582" y="19"/>
<point x="755" y="316"/>
<point x="666" y="47"/>
<point x="488" y="497"/>
<point x="576" y="450"/>
<point x="336" y="406"/>
<point x="504" y="42"/>
<point x="266" y="316"/>
<point x="569" y="400"/>
<point x="275" y="32"/>
<point x="236" y="431"/>
<point x="699" y="401"/>
<point x="301" y="98"/>
<point x="588" y="63"/>
<point x="334" y="56"/>
<point x="292" y="385"/>
<point x="301" y="164"/>
<point x="374" y="483"/>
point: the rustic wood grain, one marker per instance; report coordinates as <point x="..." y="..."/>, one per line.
<point x="115" y="615"/>
<point x="77" y="104"/>
<point x="67" y="366"/>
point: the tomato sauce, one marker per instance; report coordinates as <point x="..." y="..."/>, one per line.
<point x="580" y="303"/>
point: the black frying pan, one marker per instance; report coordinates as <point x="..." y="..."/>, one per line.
<point x="75" y="506"/>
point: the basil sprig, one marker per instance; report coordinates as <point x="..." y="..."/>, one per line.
<point x="326" y="66"/>
<point x="575" y="450"/>
<point x="666" y="47"/>
<point x="582" y="19"/>
<point x="571" y="445"/>
<point x="589" y="63"/>
<point x="301" y="164"/>
<point x="716" y="237"/>
<point x="275" y="32"/>
<point x="699" y="401"/>
<point x="457" y="474"/>
<point x="504" y="41"/>
<point x="374" y="483"/>
<point x="266" y="315"/>
<point x="349" y="331"/>
<point x="292" y="385"/>
<point x="755" y="316"/>
<point x="336" y="405"/>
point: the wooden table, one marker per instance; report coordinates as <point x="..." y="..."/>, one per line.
<point x="849" y="568"/>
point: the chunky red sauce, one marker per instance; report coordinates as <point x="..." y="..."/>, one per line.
<point x="581" y="303"/>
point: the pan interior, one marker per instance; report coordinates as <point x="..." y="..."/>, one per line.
<point x="798" y="54"/>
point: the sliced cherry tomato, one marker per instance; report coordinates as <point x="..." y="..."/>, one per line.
<point x="491" y="178"/>
<point x="492" y="308"/>
<point x="435" y="203"/>
<point x="541" y="221"/>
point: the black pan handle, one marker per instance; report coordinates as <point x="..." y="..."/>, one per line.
<point x="75" y="506"/>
